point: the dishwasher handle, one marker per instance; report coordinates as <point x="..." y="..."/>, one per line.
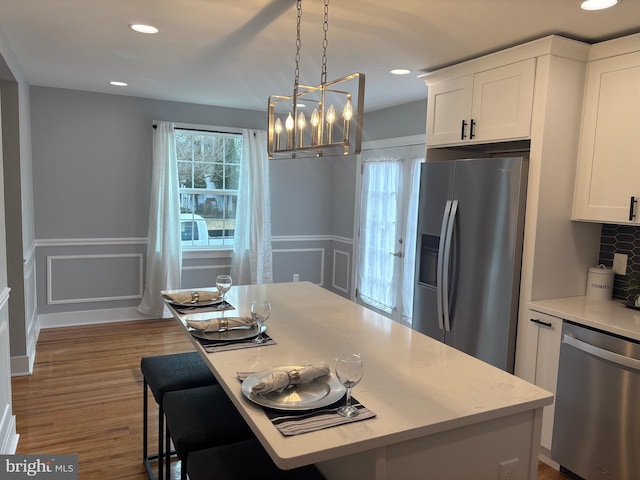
<point x="601" y="353"/>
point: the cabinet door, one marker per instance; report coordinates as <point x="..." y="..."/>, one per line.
<point x="449" y="104"/>
<point x="503" y="101"/>
<point x="547" y="359"/>
<point x="608" y="172"/>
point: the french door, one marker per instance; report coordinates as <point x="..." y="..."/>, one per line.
<point x="386" y="233"/>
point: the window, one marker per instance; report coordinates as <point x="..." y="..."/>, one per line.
<point x="208" y="171"/>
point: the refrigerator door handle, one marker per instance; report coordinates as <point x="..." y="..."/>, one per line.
<point x="445" y="265"/>
<point x="441" y="247"/>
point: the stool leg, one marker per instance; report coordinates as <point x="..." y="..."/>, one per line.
<point x="183" y="469"/>
<point x="145" y="405"/>
<point x="168" y="445"/>
<point x="160" y="441"/>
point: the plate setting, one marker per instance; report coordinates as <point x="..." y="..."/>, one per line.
<point x="228" y="335"/>
<point x="319" y="393"/>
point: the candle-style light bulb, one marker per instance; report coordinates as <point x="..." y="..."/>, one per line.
<point x="347" y="114"/>
<point x="315" y="121"/>
<point x="330" y="118"/>
<point x="288" y="124"/>
<point x="302" y="121"/>
<point x="278" y="130"/>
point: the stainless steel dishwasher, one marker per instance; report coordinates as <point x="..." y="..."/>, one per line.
<point x="596" y="432"/>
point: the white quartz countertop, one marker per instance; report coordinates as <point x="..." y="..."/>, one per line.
<point x="415" y="385"/>
<point x="608" y="315"/>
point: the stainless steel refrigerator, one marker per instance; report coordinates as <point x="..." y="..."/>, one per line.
<point x="469" y="253"/>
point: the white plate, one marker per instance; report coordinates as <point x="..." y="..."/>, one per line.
<point x="321" y="392"/>
<point x="229" y="335"/>
<point x="200" y="303"/>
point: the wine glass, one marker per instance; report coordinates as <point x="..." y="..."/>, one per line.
<point x="260" y="312"/>
<point x="223" y="282"/>
<point x="349" y="370"/>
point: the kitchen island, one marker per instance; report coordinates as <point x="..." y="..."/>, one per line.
<point x="440" y="413"/>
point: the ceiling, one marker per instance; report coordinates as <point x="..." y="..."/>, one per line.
<point x="236" y="53"/>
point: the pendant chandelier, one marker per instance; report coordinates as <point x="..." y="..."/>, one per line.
<point x="317" y="121"/>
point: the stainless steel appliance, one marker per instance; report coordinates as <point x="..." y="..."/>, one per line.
<point x="469" y="251"/>
<point x="596" y="428"/>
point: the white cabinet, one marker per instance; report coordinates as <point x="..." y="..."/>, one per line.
<point x="608" y="175"/>
<point x="487" y="106"/>
<point x="549" y="335"/>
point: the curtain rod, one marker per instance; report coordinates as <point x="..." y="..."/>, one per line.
<point x="201" y="130"/>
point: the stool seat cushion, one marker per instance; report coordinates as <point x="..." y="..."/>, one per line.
<point x="166" y="373"/>
<point x="243" y="461"/>
<point x="203" y="417"/>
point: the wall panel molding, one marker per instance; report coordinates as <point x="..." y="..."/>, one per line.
<point x="51" y="277"/>
<point x="306" y="250"/>
<point x="335" y="283"/>
<point x="77" y="242"/>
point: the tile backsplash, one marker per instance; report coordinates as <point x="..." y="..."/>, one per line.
<point x="621" y="239"/>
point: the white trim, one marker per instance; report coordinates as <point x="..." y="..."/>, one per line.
<point x="347" y="240"/>
<point x="73" y="242"/>
<point x="10" y="442"/>
<point x="394" y="142"/>
<point x="296" y="250"/>
<point x="90" y="317"/>
<point x="302" y="238"/>
<point x="50" y="259"/>
<point x="197" y="253"/>
<point x="333" y="280"/>
<point x="29" y="254"/>
<point x="4" y="297"/>
<point x="207" y="267"/>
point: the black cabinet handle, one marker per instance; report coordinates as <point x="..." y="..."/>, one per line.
<point x="472" y="132"/>
<point x="632" y="208"/>
<point x="540" y="322"/>
<point x="463" y="135"/>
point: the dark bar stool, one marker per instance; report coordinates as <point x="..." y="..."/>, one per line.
<point x="243" y="460"/>
<point x="201" y="418"/>
<point x="162" y="374"/>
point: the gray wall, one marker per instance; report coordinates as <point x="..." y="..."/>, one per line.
<point x="91" y="175"/>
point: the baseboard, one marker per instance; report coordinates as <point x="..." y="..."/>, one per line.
<point x="547" y="460"/>
<point x="8" y="437"/>
<point x="89" y="317"/>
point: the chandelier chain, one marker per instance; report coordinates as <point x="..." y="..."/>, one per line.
<point x="325" y="43"/>
<point x="298" y="44"/>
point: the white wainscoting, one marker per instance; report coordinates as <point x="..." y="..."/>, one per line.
<point x="58" y="266"/>
<point x="23" y="364"/>
<point x="8" y="435"/>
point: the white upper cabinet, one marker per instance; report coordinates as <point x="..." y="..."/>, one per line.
<point x="608" y="175"/>
<point x="488" y="106"/>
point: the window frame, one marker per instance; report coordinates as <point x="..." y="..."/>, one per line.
<point x="210" y="250"/>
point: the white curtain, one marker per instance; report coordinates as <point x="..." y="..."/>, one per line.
<point x="164" y="254"/>
<point x="381" y="192"/>
<point x="410" y="236"/>
<point x="252" y="262"/>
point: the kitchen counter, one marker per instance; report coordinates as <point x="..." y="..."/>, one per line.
<point x="608" y="315"/>
<point x="436" y="408"/>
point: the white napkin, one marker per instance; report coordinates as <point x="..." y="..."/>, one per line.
<point x="221" y="324"/>
<point x="279" y="380"/>
<point x="193" y="297"/>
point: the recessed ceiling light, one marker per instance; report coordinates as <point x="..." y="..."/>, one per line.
<point x="142" y="28"/>
<point x="400" y="71"/>
<point x="597" y="4"/>
<point x="118" y="84"/>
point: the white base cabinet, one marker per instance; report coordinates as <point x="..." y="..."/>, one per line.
<point x="548" y="337"/>
<point x="486" y="106"/>
<point x="608" y="177"/>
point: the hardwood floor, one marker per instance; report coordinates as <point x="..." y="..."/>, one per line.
<point x="85" y="396"/>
